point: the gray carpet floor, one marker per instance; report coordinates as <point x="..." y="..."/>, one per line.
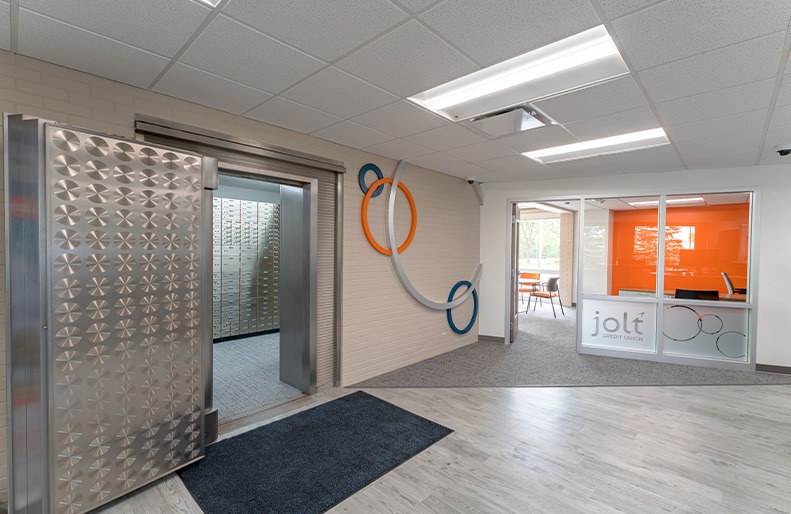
<point x="246" y="375"/>
<point x="545" y="355"/>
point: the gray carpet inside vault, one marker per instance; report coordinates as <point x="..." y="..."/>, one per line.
<point x="545" y="355"/>
<point x="247" y="375"/>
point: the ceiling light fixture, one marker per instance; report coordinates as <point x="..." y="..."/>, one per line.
<point x="211" y="3"/>
<point x="604" y="146"/>
<point x="695" y="199"/>
<point x="541" y="207"/>
<point x="571" y="63"/>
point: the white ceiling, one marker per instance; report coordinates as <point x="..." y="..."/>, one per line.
<point x="713" y="73"/>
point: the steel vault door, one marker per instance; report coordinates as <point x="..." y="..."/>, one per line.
<point x="106" y="364"/>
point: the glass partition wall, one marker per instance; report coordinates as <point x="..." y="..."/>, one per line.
<point x="686" y="300"/>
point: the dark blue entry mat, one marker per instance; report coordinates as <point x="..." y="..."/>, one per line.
<point x="310" y="461"/>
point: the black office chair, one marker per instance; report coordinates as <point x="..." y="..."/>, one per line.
<point x="729" y="285"/>
<point x="697" y="294"/>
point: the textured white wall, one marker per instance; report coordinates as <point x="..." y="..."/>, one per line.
<point x="774" y="246"/>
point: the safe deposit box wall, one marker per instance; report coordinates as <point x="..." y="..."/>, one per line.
<point x="246" y="267"/>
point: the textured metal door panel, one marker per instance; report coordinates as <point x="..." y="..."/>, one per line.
<point x="125" y="321"/>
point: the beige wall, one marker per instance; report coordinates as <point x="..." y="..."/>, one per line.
<point x="567" y="263"/>
<point x="383" y="328"/>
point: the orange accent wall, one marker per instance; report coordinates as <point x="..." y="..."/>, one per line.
<point x="720" y="244"/>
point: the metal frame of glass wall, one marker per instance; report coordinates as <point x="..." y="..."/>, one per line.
<point x="660" y="303"/>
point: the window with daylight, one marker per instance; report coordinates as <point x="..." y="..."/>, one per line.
<point x="539" y="245"/>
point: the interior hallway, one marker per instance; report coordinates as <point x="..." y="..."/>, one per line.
<point x="608" y="449"/>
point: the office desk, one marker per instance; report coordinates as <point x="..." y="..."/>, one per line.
<point x="735" y="297"/>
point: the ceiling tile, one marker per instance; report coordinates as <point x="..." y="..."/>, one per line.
<point x="408" y="60"/>
<point x="351" y="134"/>
<point x="677" y="29"/>
<point x="782" y="117"/>
<point x="735" y="143"/>
<point x="415" y="5"/>
<point x="661" y="158"/>
<point x="711" y="128"/>
<point x="591" y="167"/>
<point x="491" y="32"/>
<point x="536" y="139"/>
<point x="447" y="164"/>
<point x="443" y="138"/>
<point x="5" y="26"/>
<point x="492" y="177"/>
<point x="401" y="119"/>
<point x="607" y="98"/>
<point x="291" y="115"/>
<point x="327" y="32"/>
<point x="722" y="159"/>
<point x="159" y="27"/>
<point x="197" y="86"/>
<point x="480" y="152"/>
<point x="399" y="149"/>
<point x="483" y="176"/>
<point x="778" y="136"/>
<point x="774" y="137"/>
<point x="633" y="120"/>
<point x="731" y="100"/>
<point x="784" y="95"/>
<point x="231" y="50"/>
<point x="515" y="165"/>
<point x="750" y="61"/>
<point x="44" y="38"/>
<point x="617" y="8"/>
<point x="338" y="93"/>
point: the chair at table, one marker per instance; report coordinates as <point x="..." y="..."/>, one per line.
<point x="550" y="292"/>
<point x="729" y="285"/>
<point x="697" y="294"/>
<point x="527" y="283"/>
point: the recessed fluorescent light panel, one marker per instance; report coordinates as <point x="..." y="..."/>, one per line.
<point x="210" y="3"/>
<point x="541" y="207"/>
<point x="604" y="146"/>
<point x="572" y="63"/>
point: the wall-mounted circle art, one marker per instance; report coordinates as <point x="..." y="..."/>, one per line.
<point x="374" y="190"/>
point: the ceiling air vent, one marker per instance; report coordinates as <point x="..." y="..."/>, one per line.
<point x="510" y="121"/>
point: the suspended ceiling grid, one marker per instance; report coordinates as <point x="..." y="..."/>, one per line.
<point x="712" y="73"/>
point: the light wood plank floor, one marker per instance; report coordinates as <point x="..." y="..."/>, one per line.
<point x="595" y="449"/>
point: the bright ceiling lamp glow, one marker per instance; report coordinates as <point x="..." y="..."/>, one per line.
<point x="571" y="63"/>
<point x="211" y="3"/>
<point x="695" y="199"/>
<point x="541" y="207"/>
<point x="604" y="146"/>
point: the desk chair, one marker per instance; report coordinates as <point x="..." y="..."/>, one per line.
<point x="550" y="292"/>
<point x="729" y="285"/>
<point x="525" y="288"/>
<point x="697" y="294"/>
